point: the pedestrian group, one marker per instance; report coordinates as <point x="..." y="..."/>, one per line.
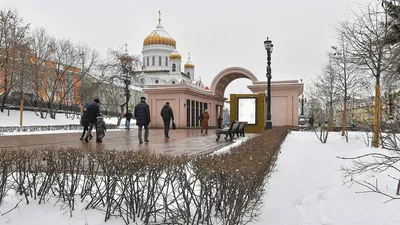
<point x="92" y="118"/>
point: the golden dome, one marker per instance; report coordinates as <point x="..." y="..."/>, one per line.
<point x="189" y="65"/>
<point x="159" y="37"/>
<point x="175" y="55"/>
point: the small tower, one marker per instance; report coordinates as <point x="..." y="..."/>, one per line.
<point x="189" y="68"/>
<point x="175" y="62"/>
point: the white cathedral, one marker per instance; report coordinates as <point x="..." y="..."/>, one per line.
<point x="162" y="63"/>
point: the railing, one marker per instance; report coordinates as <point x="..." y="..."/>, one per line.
<point x="10" y="129"/>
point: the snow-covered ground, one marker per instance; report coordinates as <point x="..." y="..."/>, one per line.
<point x="31" y="119"/>
<point x="306" y="187"/>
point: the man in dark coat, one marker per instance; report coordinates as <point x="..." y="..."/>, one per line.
<point x="167" y="114"/>
<point x="93" y="111"/>
<point x="128" y="117"/>
<point x="142" y="115"/>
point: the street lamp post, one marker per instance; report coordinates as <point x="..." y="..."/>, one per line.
<point x="302" y="100"/>
<point x="268" y="46"/>
<point x="126" y="62"/>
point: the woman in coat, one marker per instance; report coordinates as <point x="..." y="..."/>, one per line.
<point x="204" y="121"/>
<point x="85" y="122"/>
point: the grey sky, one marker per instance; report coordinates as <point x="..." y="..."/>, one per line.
<point x="218" y="33"/>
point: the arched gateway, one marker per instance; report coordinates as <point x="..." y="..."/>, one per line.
<point x="226" y="76"/>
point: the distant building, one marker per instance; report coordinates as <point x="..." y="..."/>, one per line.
<point x="162" y="63"/>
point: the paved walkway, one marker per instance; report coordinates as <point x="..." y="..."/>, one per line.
<point x="182" y="141"/>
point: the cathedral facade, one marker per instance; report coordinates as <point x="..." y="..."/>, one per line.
<point x="162" y="63"/>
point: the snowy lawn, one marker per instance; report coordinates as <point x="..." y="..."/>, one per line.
<point x="31" y="119"/>
<point x="307" y="187"/>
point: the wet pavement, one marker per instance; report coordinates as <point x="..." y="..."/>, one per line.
<point x="181" y="141"/>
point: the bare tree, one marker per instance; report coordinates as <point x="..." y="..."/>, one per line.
<point x="68" y="65"/>
<point x="42" y="46"/>
<point x="13" y="39"/>
<point x="366" y="35"/>
<point x="326" y="91"/>
<point x="348" y="78"/>
<point x="113" y="72"/>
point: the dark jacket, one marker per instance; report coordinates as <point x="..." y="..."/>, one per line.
<point x="167" y="113"/>
<point x="128" y="116"/>
<point x="142" y="113"/>
<point x="93" y="111"/>
<point x="85" y="118"/>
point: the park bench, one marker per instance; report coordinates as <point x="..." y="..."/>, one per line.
<point x="240" y="131"/>
<point x="231" y="131"/>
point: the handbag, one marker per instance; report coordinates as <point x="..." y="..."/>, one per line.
<point x="173" y="126"/>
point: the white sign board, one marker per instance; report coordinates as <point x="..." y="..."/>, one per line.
<point x="247" y="110"/>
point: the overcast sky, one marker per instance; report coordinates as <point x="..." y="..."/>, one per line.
<point x="218" y="33"/>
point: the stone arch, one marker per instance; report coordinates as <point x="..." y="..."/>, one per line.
<point x="226" y="76"/>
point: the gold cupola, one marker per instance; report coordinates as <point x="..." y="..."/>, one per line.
<point x="159" y="36"/>
<point x="189" y="64"/>
<point x="175" y="55"/>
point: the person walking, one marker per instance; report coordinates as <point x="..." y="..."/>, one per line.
<point x="204" y="121"/>
<point x="85" y="122"/>
<point x="128" y="117"/>
<point x="167" y="114"/>
<point x="142" y="115"/>
<point x="93" y="112"/>
<point x="101" y="128"/>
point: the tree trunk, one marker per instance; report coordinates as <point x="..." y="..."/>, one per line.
<point x="377" y="116"/>
<point x="330" y="116"/>
<point x="344" y="122"/>
<point x="122" y="115"/>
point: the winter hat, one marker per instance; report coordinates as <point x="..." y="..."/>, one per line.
<point x="96" y="100"/>
<point x="86" y="105"/>
<point x="142" y="98"/>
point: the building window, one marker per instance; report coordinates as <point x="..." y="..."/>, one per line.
<point x="197" y="113"/>
<point x="166" y="61"/>
<point x="188" y="73"/>
<point x="144" y="61"/>
<point x="142" y="80"/>
<point x="159" y="60"/>
<point x="173" y="67"/>
<point x="154" y="61"/>
<point x="193" y="114"/>
<point x="187" y="112"/>
<point x="148" y="63"/>
<point x="156" y="81"/>
<point x="173" y="82"/>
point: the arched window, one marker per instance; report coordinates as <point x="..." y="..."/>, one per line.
<point x="156" y="81"/>
<point x="173" y="82"/>
<point x="154" y="61"/>
<point x="142" y="80"/>
<point x="159" y="60"/>
<point x="166" y="61"/>
<point x="148" y="63"/>
<point x="144" y="61"/>
<point x="173" y="67"/>
<point x="188" y="73"/>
